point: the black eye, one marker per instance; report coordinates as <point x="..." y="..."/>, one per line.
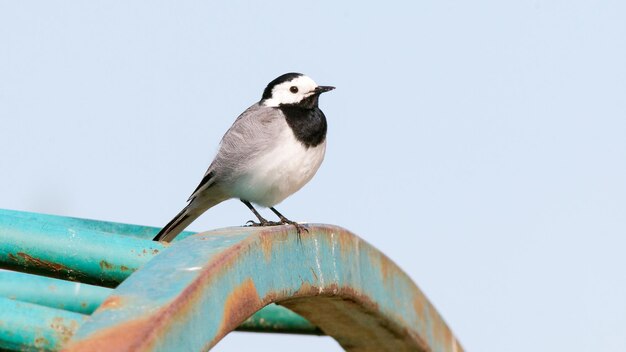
<point x="293" y="89"/>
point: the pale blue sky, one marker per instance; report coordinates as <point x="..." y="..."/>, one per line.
<point x="481" y="145"/>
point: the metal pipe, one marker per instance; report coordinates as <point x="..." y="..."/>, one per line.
<point x="138" y="231"/>
<point x="73" y="296"/>
<point x="60" y="248"/>
<point x="30" y="327"/>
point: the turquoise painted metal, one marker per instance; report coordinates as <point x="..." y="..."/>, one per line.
<point x="72" y="296"/>
<point x="82" y="298"/>
<point x="188" y="295"/>
<point x="47" y="245"/>
<point x="30" y="327"/>
<point x="18" y="218"/>
<point x="21" y="248"/>
<point x="39" y="328"/>
<point x="215" y="280"/>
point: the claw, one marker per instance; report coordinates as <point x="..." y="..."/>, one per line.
<point x="299" y="228"/>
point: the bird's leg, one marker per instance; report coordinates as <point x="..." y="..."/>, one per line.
<point x="262" y="220"/>
<point x="283" y="220"/>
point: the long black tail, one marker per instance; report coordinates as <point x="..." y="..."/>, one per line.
<point x="178" y="224"/>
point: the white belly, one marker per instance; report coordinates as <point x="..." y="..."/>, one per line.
<point x="279" y="173"/>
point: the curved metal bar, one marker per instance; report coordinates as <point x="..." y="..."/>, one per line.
<point x="201" y="288"/>
<point x="82" y="298"/>
<point x="92" y="251"/>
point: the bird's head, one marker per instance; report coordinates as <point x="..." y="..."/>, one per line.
<point x="293" y="89"/>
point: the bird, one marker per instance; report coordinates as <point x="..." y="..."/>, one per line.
<point x="270" y="152"/>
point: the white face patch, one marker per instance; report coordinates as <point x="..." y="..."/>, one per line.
<point x="285" y="93"/>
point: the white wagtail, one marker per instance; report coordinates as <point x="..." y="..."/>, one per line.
<point x="271" y="151"/>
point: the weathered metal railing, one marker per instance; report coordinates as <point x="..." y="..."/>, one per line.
<point x="104" y="286"/>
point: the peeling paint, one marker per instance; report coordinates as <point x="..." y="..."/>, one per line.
<point x="36" y="262"/>
<point x="63" y="328"/>
<point x="105" y="265"/>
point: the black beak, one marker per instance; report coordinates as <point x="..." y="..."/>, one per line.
<point x="323" y="89"/>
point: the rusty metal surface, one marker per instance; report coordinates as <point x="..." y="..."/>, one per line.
<point x="59" y="247"/>
<point x="203" y="287"/>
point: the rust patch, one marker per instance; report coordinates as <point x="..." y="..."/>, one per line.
<point x="267" y="244"/>
<point x="105" y="265"/>
<point x="111" y="302"/>
<point x="40" y="342"/>
<point x="269" y="237"/>
<point x="64" y="329"/>
<point x="129" y="336"/>
<point x="419" y="306"/>
<point x="240" y="304"/>
<point x="387" y="267"/>
<point x="38" y="263"/>
<point x="124" y="268"/>
<point x="38" y="266"/>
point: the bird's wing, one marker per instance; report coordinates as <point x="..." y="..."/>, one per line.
<point x="253" y="133"/>
<point x="204" y="184"/>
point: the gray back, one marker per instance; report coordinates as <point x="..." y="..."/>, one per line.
<point x="254" y="132"/>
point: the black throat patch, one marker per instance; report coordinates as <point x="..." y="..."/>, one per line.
<point x="307" y="121"/>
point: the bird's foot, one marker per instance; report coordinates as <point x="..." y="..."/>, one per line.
<point x="262" y="223"/>
<point x="283" y="220"/>
<point x="300" y="229"/>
